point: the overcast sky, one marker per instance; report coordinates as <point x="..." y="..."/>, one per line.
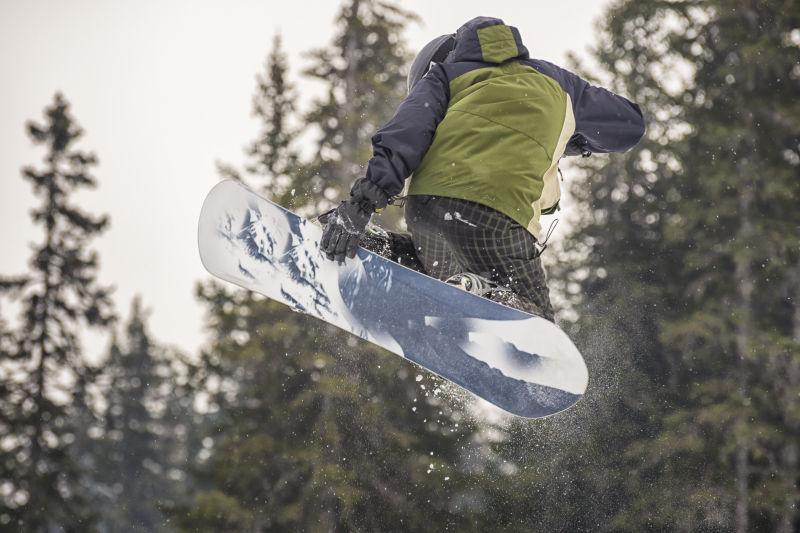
<point x="163" y="90"/>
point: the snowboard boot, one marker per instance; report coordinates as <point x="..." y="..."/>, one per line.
<point x="472" y="283"/>
<point x="377" y="240"/>
<point x="487" y="288"/>
<point x="397" y="247"/>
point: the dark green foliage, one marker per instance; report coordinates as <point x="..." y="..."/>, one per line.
<point x="687" y="287"/>
<point x="272" y="157"/>
<point x="681" y="282"/>
<point x="320" y="432"/>
<point x="737" y="342"/>
<point x="45" y="380"/>
<point x="273" y="161"/>
<point x="138" y="449"/>
<point x="364" y="71"/>
<point x="309" y="427"/>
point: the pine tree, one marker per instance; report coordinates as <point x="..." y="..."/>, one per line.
<point x="364" y="73"/>
<point x="272" y="157"/>
<point x="739" y="266"/>
<point x="46" y="375"/>
<point x="311" y="433"/>
<point x="134" y="452"/>
<point x="311" y="428"/>
<point x="687" y="280"/>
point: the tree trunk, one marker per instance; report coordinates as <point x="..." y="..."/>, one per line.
<point x="350" y="141"/>
<point x="744" y="328"/>
<point x="39" y="324"/>
<point x="789" y="462"/>
<point x="790" y="455"/>
<point x="796" y="303"/>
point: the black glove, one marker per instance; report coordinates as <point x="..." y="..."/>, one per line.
<point x="345" y="225"/>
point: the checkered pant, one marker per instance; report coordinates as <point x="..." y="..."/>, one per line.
<point x="453" y="236"/>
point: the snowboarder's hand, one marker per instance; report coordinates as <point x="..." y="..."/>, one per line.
<point x="345" y="225"/>
<point x="343" y="229"/>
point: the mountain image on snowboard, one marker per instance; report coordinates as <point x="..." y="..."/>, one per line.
<point x="521" y="363"/>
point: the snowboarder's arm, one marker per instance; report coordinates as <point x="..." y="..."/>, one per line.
<point x="400" y="145"/>
<point x="604" y="121"/>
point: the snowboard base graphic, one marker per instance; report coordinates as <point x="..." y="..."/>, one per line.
<point x="521" y="363"/>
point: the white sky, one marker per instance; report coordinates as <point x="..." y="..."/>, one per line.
<point x="163" y="89"/>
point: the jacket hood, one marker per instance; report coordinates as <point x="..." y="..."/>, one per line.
<point x="488" y="40"/>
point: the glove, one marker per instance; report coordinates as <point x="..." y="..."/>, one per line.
<point x="345" y="225"/>
<point x="343" y="229"/>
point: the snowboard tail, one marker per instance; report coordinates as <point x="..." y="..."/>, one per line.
<point x="521" y="363"/>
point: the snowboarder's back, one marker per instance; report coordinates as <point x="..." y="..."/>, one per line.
<point x="482" y="130"/>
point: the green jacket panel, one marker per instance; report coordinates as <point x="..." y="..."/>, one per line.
<point x="488" y="124"/>
<point x="497" y="140"/>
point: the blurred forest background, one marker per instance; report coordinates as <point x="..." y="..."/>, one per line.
<point x="680" y="282"/>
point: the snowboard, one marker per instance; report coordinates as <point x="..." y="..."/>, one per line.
<point x="519" y="362"/>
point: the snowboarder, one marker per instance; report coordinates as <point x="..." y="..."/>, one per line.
<point x="482" y="131"/>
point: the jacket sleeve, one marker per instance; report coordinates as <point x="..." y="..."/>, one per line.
<point x="399" y="146"/>
<point x="604" y="121"/>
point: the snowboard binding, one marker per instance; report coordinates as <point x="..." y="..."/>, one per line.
<point x="377" y="240"/>
<point x="474" y="283"/>
<point x="483" y="287"/>
<point x="397" y="247"/>
<point x="490" y="290"/>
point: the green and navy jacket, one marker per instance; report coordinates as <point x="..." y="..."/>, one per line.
<point x="489" y="125"/>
